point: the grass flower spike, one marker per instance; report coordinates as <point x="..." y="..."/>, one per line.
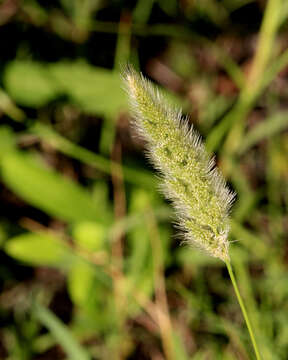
<point x="189" y="176"/>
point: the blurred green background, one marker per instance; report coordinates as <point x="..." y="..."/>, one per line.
<point x="90" y="265"/>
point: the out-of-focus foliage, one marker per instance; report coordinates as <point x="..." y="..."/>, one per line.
<point x="91" y="267"/>
<point x="94" y="90"/>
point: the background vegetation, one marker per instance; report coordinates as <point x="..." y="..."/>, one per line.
<point x="91" y="267"/>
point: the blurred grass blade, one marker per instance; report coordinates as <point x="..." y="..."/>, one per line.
<point x="60" y="332"/>
<point x="39" y="249"/>
<point x="48" y="190"/>
<point x="142" y="11"/>
<point x="253" y="87"/>
<point x="265" y="129"/>
<point x="279" y="63"/>
<point x="9" y="108"/>
<point x="96" y="90"/>
<point x="7" y="141"/>
<point x="29" y="84"/>
<point x="123" y="50"/>
<point x="179" y="347"/>
<point x="140" y="178"/>
<point x="265" y="47"/>
<point x="251" y="241"/>
<point x="238" y="112"/>
<point x="80" y="282"/>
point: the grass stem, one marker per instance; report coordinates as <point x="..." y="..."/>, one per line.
<point x="244" y="311"/>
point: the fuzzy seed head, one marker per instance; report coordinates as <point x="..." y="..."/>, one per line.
<point x="189" y="177"/>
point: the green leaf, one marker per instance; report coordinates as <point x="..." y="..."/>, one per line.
<point x="134" y="174"/>
<point x="265" y="129"/>
<point x="95" y="90"/>
<point x="89" y="236"/>
<point x="61" y="333"/>
<point x="29" y="83"/>
<point x="39" y="249"/>
<point x="138" y="238"/>
<point x="48" y="190"/>
<point x="179" y="348"/>
<point x="80" y="281"/>
<point x="7" y="140"/>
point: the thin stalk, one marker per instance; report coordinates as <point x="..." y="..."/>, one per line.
<point x="243" y="309"/>
<point x="252" y="88"/>
<point x="162" y="307"/>
<point x="265" y="46"/>
<point x="123" y="49"/>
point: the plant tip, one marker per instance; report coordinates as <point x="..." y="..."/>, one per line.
<point x="190" y="178"/>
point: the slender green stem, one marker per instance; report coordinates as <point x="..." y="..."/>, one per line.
<point x="244" y="311"/>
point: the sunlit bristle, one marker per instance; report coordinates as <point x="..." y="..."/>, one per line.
<point x="189" y="176"/>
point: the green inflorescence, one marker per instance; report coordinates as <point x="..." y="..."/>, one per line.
<point x="189" y="176"/>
